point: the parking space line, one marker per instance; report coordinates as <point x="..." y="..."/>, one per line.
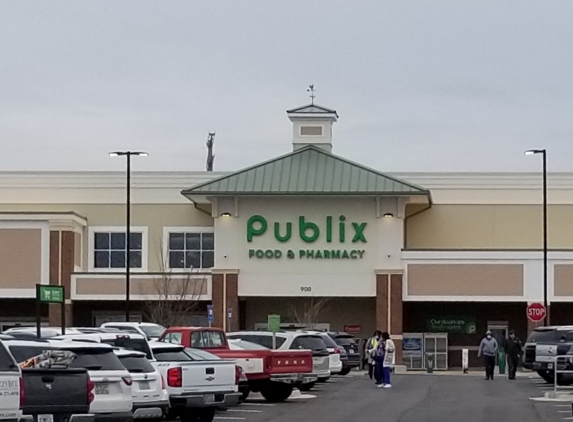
<point x="244" y="410"/>
<point x="258" y="404"/>
<point x="229" y="418"/>
<point x="563" y="411"/>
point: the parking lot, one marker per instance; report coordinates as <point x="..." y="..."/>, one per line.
<point x="414" y="398"/>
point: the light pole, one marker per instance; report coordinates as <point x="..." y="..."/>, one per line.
<point x="543" y="152"/>
<point x="128" y="155"/>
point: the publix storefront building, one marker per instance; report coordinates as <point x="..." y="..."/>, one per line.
<point x="323" y="241"/>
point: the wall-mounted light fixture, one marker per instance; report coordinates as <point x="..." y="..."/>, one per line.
<point x="226" y="214"/>
<point x="388" y="215"/>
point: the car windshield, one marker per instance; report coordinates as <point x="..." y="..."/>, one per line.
<point x="308" y="342"/>
<point x="152" y="331"/>
<point x="328" y="340"/>
<point x="136" y="364"/>
<point x="207" y="339"/>
<point x="345" y="341"/>
<point x="543" y="336"/>
<point x="137" y="344"/>
<point x="171" y="355"/>
<point x="94" y="359"/>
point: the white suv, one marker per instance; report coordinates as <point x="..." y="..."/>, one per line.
<point x="123" y="340"/>
<point x="335" y="364"/>
<point x="293" y="340"/>
<point x="148" y="329"/>
<point x="150" y="398"/>
<point x="112" y="401"/>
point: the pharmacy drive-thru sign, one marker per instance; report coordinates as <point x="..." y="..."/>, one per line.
<point x="536" y="312"/>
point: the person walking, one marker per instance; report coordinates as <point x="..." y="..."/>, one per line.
<point x="488" y="348"/>
<point x="370" y="349"/>
<point x="389" y="359"/>
<point x="513" y="350"/>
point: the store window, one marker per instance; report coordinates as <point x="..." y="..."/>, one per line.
<point x="108" y="249"/>
<point x="191" y="249"/>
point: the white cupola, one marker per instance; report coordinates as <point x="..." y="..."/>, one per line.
<point x="312" y="125"/>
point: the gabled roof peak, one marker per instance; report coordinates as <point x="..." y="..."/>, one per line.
<point x="307" y="171"/>
<point x="312" y="109"/>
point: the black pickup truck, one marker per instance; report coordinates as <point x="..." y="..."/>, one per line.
<point x="54" y="393"/>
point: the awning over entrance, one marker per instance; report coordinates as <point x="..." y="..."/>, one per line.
<point x="306" y="171"/>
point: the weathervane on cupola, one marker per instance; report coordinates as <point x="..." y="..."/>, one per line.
<point x="311" y="90"/>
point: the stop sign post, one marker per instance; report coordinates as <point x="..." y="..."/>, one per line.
<point x="536" y="312"/>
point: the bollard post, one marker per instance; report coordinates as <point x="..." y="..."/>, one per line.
<point x="465" y="360"/>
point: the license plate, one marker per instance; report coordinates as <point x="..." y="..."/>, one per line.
<point x="352" y="351"/>
<point x="45" y="418"/>
<point x="102" y="389"/>
<point x="144" y="385"/>
<point x="209" y="398"/>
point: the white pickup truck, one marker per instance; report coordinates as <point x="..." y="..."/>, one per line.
<point x="196" y="388"/>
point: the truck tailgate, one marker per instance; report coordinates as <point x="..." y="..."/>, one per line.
<point x="251" y="362"/>
<point x="207" y="376"/>
<point x="55" y="391"/>
<point x="289" y="361"/>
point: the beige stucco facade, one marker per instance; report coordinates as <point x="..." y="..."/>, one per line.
<point x="490" y="227"/>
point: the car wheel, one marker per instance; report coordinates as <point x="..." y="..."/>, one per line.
<point x="245" y="393"/>
<point x="276" y="392"/>
<point x="306" y="387"/>
<point x="546" y="375"/>
<point x="323" y="379"/>
<point x="345" y="371"/>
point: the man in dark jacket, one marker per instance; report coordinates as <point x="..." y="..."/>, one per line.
<point x="513" y="351"/>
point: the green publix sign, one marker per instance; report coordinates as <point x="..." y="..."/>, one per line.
<point x="339" y="231"/>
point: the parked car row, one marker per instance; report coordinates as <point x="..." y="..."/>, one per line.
<point x="126" y="378"/>
<point x="133" y="371"/>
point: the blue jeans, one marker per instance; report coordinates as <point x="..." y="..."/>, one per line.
<point x="379" y="372"/>
<point x="386" y="375"/>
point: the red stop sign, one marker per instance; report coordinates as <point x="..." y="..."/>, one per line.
<point x="536" y="312"/>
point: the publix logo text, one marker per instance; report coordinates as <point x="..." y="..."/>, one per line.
<point x="329" y="231"/>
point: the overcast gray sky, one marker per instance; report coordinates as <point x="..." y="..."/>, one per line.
<point x="420" y="85"/>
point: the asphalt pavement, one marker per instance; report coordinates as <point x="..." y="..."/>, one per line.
<point x="413" y="398"/>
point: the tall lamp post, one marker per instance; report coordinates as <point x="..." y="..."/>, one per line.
<point x="543" y="152"/>
<point x="128" y="155"/>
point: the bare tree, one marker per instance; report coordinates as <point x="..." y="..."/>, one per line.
<point x="309" y="312"/>
<point x="174" y="298"/>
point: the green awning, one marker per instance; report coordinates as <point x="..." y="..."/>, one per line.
<point x="307" y="171"/>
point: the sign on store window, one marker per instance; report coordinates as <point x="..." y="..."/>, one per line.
<point x="451" y="324"/>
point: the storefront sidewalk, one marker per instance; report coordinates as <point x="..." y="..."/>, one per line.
<point x="474" y="372"/>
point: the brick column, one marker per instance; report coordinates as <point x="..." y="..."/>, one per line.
<point x="382" y="302"/>
<point x="396" y="314"/>
<point x="224" y="292"/>
<point x="62" y="259"/>
<point x="389" y="311"/>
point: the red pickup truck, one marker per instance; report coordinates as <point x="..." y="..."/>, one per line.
<point x="273" y="373"/>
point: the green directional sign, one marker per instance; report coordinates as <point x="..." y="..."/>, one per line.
<point x="274" y="323"/>
<point x="51" y="294"/>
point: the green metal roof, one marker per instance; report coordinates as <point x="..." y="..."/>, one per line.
<point x="307" y="171"/>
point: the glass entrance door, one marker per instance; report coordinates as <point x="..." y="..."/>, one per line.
<point x="437" y="345"/>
